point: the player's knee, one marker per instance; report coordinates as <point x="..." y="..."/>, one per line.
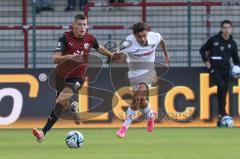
<point x="142" y="87"/>
<point x="140" y="94"/>
<point x="59" y="100"/>
<point x="64" y="97"/>
<point x="135" y="106"/>
<point x="143" y="103"/>
<point x="63" y="102"/>
<point x="136" y="97"/>
<point x="135" y="103"/>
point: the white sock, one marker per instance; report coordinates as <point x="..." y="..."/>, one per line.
<point x="130" y="117"/>
<point x="148" y="111"/>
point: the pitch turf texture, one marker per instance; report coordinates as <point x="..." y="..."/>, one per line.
<point x="166" y="143"/>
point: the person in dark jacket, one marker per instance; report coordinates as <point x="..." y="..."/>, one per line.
<point x="44" y="5"/>
<point x="216" y="53"/>
<point x="72" y="5"/>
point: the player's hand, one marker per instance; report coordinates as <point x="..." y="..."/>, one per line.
<point x="208" y="65"/>
<point x="77" y="58"/>
<point x="119" y="57"/>
<point x="167" y="60"/>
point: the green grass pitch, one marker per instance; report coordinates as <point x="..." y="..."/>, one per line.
<point x="163" y="143"/>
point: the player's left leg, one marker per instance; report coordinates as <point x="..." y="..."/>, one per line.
<point x="62" y="103"/>
<point x="67" y="97"/>
<point x="139" y="94"/>
<point x="146" y="108"/>
<point x="130" y="115"/>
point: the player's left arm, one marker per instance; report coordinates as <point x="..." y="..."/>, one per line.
<point x="165" y="52"/>
<point x="118" y="57"/>
<point x="102" y="50"/>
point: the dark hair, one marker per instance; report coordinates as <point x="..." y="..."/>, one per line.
<point x="139" y="27"/>
<point x="80" y="16"/>
<point x="226" y="22"/>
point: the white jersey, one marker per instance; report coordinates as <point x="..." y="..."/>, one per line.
<point x="142" y="55"/>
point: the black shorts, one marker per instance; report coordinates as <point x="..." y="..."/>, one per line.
<point x="75" y="83"/>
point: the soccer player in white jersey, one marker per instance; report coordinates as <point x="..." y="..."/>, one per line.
<point x="140" y="48"/>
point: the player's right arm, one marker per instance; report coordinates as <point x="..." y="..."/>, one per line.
<point x="59" y="56"/>
<point x="165" y="52"/>
<point x="204" y="50"/>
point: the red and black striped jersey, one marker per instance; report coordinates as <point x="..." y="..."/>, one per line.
<point x="68" y="44"/>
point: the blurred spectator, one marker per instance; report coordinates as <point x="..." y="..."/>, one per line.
<point x="72" y="5"/>
<point x="43" y="5"/>
<point x="114" y="1"/>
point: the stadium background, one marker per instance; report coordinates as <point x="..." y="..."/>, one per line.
<point x="28" y="39"/>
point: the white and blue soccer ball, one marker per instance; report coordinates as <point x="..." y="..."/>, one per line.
<point x="226" y="121"/>
<point x="235" y="71"/>
<point x="74" y="139"/>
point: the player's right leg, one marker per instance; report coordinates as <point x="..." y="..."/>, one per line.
<point x="75" y="84"/>
<point x="130" y="115"/>
<point x="150" y="115"/>
<point x="62" y="104"/>
<point x="145" y="107"/>
<point x="138" y="94"/>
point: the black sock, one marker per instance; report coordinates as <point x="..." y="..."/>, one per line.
<point x="53" y="118"/>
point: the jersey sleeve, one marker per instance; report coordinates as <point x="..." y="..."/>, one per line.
<point x="95" y="43"/>
<point x="61" y="45"/>
<point x="158" y="38"/>
<point x="206" y="47"/>
<point x="125" y="46"/>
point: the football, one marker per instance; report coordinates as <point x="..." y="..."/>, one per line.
<point x="235" y="71"/>
<point x="74" y="139"/>
<point x="227" y="121"/>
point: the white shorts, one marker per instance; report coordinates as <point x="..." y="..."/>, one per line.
<point x="149" y="78"/>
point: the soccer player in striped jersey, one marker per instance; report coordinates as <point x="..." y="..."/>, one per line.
<point x="71" y="56"/>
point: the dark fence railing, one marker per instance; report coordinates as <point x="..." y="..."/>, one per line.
<point x="29" y="38"/>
